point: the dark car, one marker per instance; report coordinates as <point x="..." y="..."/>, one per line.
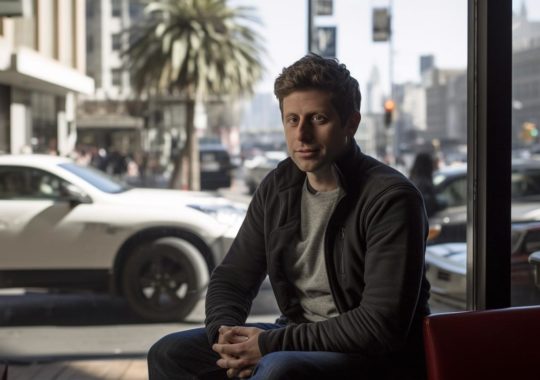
<point x="449" y="224"/>
<point x="259" y="166"/>
<point x="446" y="267"/>
<point x="216" y="166"/>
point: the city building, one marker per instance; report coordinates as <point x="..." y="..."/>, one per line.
<point x="42" y="72"/>
<point x="111" y="118"/>
<point x="525" y="79"/>
<point x="115" y="118"/>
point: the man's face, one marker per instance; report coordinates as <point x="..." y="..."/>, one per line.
<point x="315" y="134"/>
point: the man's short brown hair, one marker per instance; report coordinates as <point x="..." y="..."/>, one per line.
<point x="313" y="72"/>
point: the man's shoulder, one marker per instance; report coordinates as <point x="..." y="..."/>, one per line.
<point x="285" y="175"/>
<point x="374" y="173"/>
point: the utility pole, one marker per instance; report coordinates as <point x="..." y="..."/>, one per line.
<point x="393" y="130"/>
<point x="390" y="51"/>
<point x="382" y="32"/>
<point x="310" y="25"/>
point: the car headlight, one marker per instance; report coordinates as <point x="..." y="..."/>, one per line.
<point x="226" y="214"/>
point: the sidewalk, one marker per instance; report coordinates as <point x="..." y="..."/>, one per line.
<point x="81" y="370"/>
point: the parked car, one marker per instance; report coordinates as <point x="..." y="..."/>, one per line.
<point x="215" y="165"/>
<point x="446" y="268"/>
<point x="66" y="226"/>
<point x="449" y="224"/>
<point x="259" y="166"/>
<point x="534" y="260"/>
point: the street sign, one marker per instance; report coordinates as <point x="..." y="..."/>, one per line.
<point x="381" y="25"/>
<point x="325" y="41"/>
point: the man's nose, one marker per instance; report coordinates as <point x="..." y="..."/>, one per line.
<point x="305" y="130"/>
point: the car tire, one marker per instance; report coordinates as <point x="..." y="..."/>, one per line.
<point x="163" y="280"/>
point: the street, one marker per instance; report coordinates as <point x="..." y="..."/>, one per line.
<point x="43" y="327"/>
<point x="95" y="330"/>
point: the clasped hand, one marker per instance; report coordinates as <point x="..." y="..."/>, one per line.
<point x="238" y="347"/>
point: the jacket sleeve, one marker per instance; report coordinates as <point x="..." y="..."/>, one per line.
<point x="395" y="230"/>
<point x="236" y="281"/>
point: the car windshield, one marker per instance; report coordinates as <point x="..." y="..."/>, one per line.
<point x="97" y="178"/>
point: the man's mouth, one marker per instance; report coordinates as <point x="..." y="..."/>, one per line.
<point x="307" y="152"/>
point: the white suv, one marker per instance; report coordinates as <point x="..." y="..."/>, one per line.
<point x="63" y="225"/>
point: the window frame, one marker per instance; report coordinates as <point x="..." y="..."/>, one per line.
<point x="489" y="72"/>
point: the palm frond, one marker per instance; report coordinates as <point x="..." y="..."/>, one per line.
<point x="200" y="44"/>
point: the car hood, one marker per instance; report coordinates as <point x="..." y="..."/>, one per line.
<point x="170" y="198"/>
<point x="525" y="211"/>
<point x="221" y="209"/>
<point x="451" y="257"/>
<point x="521" y="211"/>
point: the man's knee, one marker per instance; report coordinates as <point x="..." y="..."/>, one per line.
<point x="171" y="351"/>
<point x="163" y="346"/>
<point x="278" y="365"/>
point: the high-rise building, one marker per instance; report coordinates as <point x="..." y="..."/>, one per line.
<point x="42" y="70"/>
<point x="109" y="118"/>
<point x="525" y="75"/>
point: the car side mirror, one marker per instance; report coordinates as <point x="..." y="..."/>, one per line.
<point x="442" y="202"/>
<point x="534" y="260"/>
<point x="72" y="194"/>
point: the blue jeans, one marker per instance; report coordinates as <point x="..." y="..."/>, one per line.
<point x="188" y="355"/>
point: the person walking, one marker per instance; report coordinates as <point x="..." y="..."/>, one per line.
<point x="421" y="174"/>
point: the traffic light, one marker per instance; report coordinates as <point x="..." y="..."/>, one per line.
<point x="529" y="132"/>
<point x="389" y="106"/>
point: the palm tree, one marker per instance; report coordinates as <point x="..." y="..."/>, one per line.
<point x="194" y="49"/>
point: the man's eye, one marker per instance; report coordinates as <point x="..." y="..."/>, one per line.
<point x="292" y="120"/>
<point x="318" y="118"/>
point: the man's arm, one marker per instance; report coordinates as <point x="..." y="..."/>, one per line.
<point x="395" y="228"/>
<point x="236" y="281"/>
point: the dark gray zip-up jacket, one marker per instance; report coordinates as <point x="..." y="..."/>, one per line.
<point x="374" y="253"/>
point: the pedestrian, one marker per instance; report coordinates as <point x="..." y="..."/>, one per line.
<point x="341" y="237"/>
<point x="421" y="174"/>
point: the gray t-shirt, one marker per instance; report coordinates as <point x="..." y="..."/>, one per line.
<point x="306" y="268"/>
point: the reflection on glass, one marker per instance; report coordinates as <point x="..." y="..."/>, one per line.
<point x="525" y="153"/>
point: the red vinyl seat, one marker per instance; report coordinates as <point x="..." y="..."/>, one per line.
<point x="491" y="344"/>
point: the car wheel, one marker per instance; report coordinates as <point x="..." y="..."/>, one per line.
<point x="163" y="280"/>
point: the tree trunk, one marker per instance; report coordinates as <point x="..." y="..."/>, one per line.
<point x="186" y="171"/>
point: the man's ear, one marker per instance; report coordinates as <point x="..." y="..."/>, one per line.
<point x="353" y="122"/>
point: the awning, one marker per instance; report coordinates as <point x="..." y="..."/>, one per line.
<point x="109" y="121"/>
<point x="27" y="68"/>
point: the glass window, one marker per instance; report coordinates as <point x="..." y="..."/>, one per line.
<point x="526" y="152"/>
<point x="97" y="178"/>
<point x="454" y="192"/>
<point x="116" y="10"/>
<point x="116" y="77"/>
<point x="324" y="7"/>
<point x="29" y="183"/>
<point x="44" y="108"/>
<point x="116" y="41"/>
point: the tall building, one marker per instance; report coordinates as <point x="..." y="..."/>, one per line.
<point x="525" y="76"/>
<point x="42" y="71"/>
<point x="110" y="117"/>
<point x="374" y="98"/>
<point x="113" y="117"/>
<point x="446" y="105"/>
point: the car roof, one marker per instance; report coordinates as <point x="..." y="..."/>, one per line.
<point x="32" y="159"/>
<point x="520" y="164"/>
<point x="449" y="171"/>
<point x="517" y="164"/>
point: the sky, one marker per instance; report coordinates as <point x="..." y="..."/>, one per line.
<point x="421" y="27"/>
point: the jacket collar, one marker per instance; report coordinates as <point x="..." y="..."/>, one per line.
<point x="347" y="166"/>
